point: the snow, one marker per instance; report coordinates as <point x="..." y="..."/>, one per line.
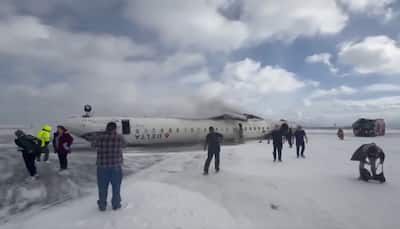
<point x="321" y="191"/>
<point x="20" y="195"/>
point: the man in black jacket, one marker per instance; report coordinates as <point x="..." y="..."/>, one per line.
<point x="213" y="142"/>
<point x="277" y="141"/>
<point x="30" y="147"/>
<point x="301" y="138"/>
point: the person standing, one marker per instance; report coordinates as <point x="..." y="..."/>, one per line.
<point x="340" y="134"/>
<point x="213" y="145"/>
<point x="277" y="141"/>
<point x="301" y="139"/>
<point x="30" y="147"/>
<point x="62" y="142"/>
<point x="109" y="165"/>
<point x="44" y="135"/>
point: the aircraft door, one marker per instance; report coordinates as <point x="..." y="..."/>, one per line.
<point x="126" y="127"/>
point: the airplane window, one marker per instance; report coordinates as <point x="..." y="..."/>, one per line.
<point x="177" y="130"/>
<point x="170" y="130"/>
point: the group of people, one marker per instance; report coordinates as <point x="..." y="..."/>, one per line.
<point x="108" y="144"/>
<point x="33" y="148"/>
<point x="279" y="136"/>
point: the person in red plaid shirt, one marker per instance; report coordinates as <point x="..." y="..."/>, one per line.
<point x="109" y="165"/>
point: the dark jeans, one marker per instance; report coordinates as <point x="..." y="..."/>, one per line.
<point x="210" y="155"/>
<point x="45" y="151"/>
<point x="29" y="159"/>
<point x="300" y="147"/>
<point x="63" y="161"/>
<point x="290" y="141"/>
<point x="105" y="176"/>
<point x="277" y="148"/>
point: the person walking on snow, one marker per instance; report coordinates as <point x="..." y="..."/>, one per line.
<point x="44" y="135"/>
<point x="109" y="165"/>
<point x="213" y="145"/>
<point x="301" y="139"/>
<point x="62" y="142"/>
<point x="277" y="141"/>
<point x="30" y="147"/>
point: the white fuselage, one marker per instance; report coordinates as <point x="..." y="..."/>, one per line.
<point x="148" y="131"/>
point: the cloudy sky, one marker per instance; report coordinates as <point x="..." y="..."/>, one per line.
<point x="318" y="61"/>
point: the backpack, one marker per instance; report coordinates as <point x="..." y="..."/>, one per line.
<point x="29" y="143"/>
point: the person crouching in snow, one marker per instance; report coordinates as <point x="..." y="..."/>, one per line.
<point x="30" y="147"/>
<point x="62" y="142"/>
<point x="109" y="165"/>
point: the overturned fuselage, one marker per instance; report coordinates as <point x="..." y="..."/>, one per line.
<point x="150" y="131"/>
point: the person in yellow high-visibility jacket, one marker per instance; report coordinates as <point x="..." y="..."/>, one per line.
<point x="44" y="135"/>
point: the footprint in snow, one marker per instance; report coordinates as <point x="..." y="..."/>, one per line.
<point x="274" y="207"/>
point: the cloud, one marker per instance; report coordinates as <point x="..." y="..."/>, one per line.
<point x="49" y="66"/>
<point x="247" y="82"/>
<point x="328" y="93"/>
<point x="220" y="25"/>
<point x="324" y="58"/>
<point x="376" y="54"/>
<point x="196" y="78"/>
<point x="374" y="104"/>
<point x="370" y="7"/>
<point x="129" y="57"/>
<point x="382" y="88"/>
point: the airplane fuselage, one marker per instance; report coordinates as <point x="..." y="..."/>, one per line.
<point x="149" y="131"/>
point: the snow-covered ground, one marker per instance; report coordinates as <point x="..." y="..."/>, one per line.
<point x="321" y="191"/>
<point x="19" y="195"/>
